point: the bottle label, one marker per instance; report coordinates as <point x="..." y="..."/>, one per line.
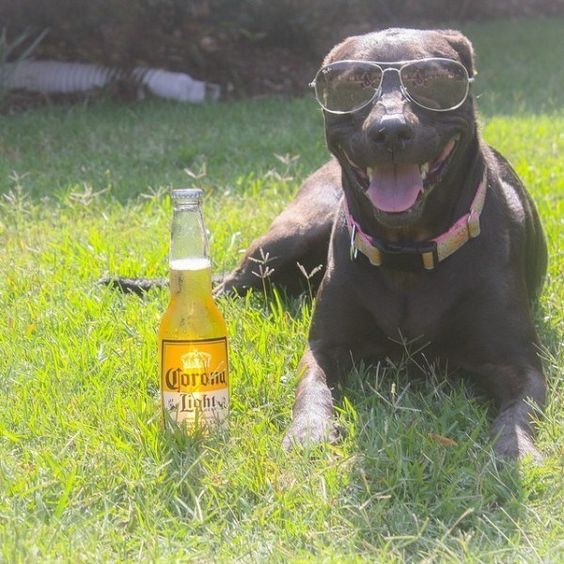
<point x="195" y="381"/>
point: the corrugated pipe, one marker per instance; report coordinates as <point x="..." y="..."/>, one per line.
<point x="54" y="77"/>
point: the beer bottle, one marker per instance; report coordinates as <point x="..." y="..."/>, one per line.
<point x="192" y="335"/>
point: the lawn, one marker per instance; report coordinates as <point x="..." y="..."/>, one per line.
<point x="87" y="473"/>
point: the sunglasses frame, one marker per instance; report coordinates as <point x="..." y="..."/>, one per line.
<point x="396" y="66"/>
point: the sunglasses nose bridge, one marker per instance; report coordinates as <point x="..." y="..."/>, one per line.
<point x="395" y="86"/>
<point x="389" y="69"/>
<point x="391" y="94"/>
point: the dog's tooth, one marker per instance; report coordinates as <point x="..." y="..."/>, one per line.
<point x="424" y="170"/>
<point x="369" y="172"/>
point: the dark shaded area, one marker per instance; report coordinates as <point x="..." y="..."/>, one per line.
<point x="250" y="47"/>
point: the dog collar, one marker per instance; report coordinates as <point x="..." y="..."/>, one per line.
<point x="427" y="253"/>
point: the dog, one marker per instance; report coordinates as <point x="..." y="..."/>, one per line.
<point x="423" y="231"/>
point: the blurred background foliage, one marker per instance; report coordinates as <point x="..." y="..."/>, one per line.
<point x="250" y="47"/>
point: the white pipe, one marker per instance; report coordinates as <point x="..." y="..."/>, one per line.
<point x="54" y="77"/>
<point x="175" y="85"/>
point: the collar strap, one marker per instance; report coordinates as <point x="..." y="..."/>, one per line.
<point x="428" y="253"/>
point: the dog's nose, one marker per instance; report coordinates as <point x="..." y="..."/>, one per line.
<point x="392" y="131"/>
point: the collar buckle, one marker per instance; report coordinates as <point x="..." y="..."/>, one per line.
<point x="407" y="257"/>
<point x="430" y="258"/>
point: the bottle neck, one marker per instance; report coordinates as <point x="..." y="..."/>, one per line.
<point x="190" y="279"/>
<point x="190" y="268"/>
<point x="188" y="238"/>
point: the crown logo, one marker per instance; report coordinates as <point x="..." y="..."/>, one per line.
<point x="195" y="361"/>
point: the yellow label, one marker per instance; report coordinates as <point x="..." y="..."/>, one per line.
<point x="195" y="380"/>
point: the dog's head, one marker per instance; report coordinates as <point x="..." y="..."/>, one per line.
<point x="399" y="120"/>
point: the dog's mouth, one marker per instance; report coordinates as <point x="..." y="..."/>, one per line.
<point x="396" y="188"/>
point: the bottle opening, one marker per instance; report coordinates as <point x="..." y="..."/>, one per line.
<point x="186" y="196"/>
<point x="191" y="263"/>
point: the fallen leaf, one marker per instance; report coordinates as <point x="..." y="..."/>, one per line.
<point x="445" y="441"/>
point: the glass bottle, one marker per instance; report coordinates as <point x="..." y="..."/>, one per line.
<point x="192" y="339"/>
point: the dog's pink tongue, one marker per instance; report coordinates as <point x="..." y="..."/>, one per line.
<point x="394" y="188"/>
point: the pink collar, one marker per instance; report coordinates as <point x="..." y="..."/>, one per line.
<point x="430" y="252"/>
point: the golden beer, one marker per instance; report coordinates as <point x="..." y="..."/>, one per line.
<point x="194" y="377"/>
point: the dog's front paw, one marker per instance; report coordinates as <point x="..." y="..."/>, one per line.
<point x="515" y="444"/>
<point x="308" y="430"/>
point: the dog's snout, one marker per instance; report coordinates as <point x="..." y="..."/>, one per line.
<point x="392" y="131"/>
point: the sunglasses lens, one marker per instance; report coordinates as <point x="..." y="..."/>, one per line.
<point x="436" y="84"/>
<point x="347" y="86"/>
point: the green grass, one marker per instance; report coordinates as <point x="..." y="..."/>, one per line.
<point x="86" y="473"/>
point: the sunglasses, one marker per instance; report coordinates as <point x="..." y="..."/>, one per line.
<point x="435" y="84"/>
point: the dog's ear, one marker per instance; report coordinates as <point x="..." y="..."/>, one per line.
<point x="340" y="50"/>
<point x="461" y="44"/>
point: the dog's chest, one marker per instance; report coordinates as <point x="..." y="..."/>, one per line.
<point x="412" y="309"/>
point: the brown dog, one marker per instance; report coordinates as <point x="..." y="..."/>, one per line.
<point x="425" y="231"/>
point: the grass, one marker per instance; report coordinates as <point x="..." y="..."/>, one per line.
<point x="87" y="474"/>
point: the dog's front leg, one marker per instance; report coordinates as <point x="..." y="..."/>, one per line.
<point x="520" y="392"/>
<point x="313" y="418"/>
<point x="341" y="334"/>
<point x="498" y="347"/>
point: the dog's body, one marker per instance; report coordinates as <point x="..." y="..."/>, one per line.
<point x="473" y="308"/>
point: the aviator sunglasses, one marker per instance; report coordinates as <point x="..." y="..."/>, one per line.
<point x="435" y="84"/>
